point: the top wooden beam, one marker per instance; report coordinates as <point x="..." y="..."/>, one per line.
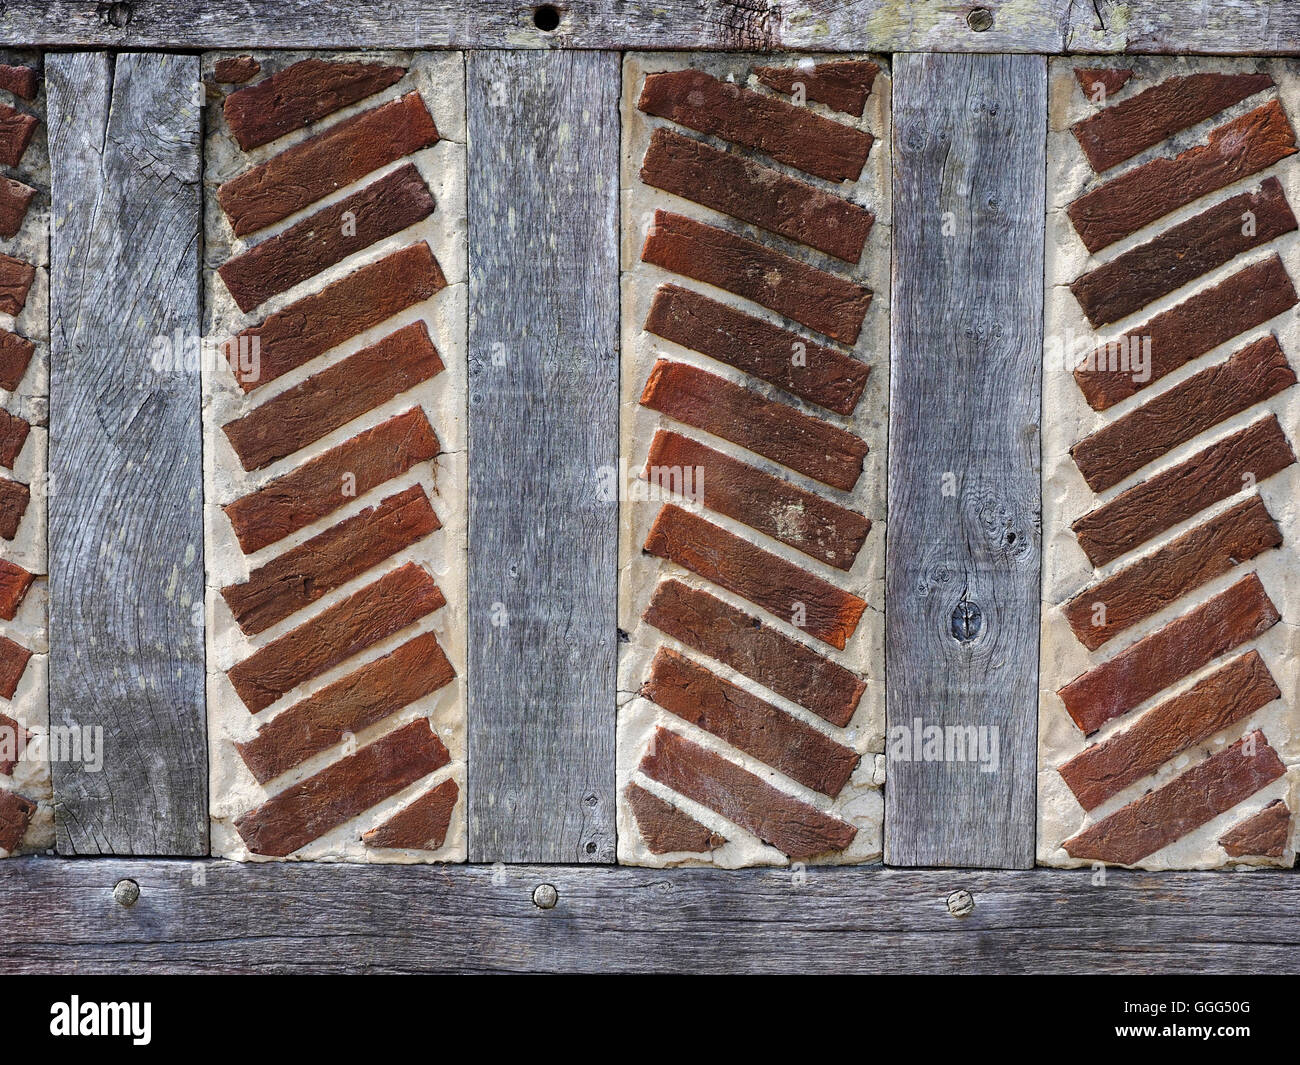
<point x="1226" y="27"/>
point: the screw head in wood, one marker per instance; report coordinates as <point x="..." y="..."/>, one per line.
<point x="545" y="896"/>
<point x="961" y="903"/>
<point x="980" y="19"/>
<point x="126" y="892"/>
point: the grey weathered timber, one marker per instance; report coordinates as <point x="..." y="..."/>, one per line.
<point x="964" y="511"/>
<point x="301" y="917"/>
<point x="543" y="416"/>
<point x="1221" y="27"/>
<point x="126" y="535"/>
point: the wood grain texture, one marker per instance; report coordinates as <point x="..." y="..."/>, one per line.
<point x="543" y="420"/>
<point x="211" y="917"/>
<point x="1225" y="27"/>
<point x="964" y="450"/>
<point x="126" y="539"/>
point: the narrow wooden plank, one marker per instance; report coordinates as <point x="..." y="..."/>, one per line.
<point x="126" y="538"/>
<point x="302" y="917"/>
<point x="963" y="553"/>
<point x="543" y="422"/>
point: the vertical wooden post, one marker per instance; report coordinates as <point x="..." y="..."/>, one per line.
<point x="964" y="505"/>
<point x="125" y="524"/>
<point x="543" y="409"/>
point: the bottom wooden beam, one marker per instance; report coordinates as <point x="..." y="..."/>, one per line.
<point x="61" y="916"/>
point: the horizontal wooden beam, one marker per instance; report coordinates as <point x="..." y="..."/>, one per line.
<point x="211" y="916"/>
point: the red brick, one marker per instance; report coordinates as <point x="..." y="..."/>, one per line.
<point x="397" y="200"/>
<point x="1182" y="253"/>
<point x="317" y="488"/>
<point x="236" y="69"/>
<point x="312" y="325"/>
<point x="791" y="135"/>
<point x="13" y="742"/>
<point x="766" y="580"/>
<point x="1153" y="582"/>
<point x="1262" y="834"/>
<point x="1182" y="413"/>
<point x="1120" y="132"/>
<point x="16" y="132"/>
<point x="344" y="153"/>
<point x="1111" y="80"/>
<point x="1176" y="494"/>
<point x="1145" y="668"/>
<point x="734" y="638"/>
<point x="1162" y="816"/>
<point x="1188" y="330"/>
<point x="787" y="823"/>
<point x="685" y="688"/>
<point x="1235" y="150"/>
<point x="13" y="505"/>
<point x="305" y="573"/>
<point x="21" y="81"/>
<point x="364" y="697"/>
<point x="13" y="664"/>
<point x="826" y="377"/>
<point x="15" y="355"/>
<point x="398" y="599"/>
<point x="421" y="825"/>
<point x="1228" y="695"/>
<point x="15" y="815"/>
<point x="15" y="198"/>
<point x="842" y="85"/>
<point x="665" y="828"/>
<point x="16" y="279"/>
<point x="13" y="435"/>
<point x="821" y="301"/>
<point x="299" y="94"/>
<point x="14" y="582"/>
<point x="744" y="189"/>
<point x="776" y="508"/>
<point x="705" y="401"/>
<point x="306" y="811"/>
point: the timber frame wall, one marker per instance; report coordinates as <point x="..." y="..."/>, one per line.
<point x="552" y="821"/>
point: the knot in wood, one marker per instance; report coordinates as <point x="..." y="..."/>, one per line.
<point x="967" y="621"/>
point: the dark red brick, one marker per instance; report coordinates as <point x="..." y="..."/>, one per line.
<point x="821" y="301"/>
<point x="16" y="279"/>
<point x="13" y="505"/>
<point x="1145" y="668"/>
<point x="15" y="815"/>
<point x="14" y="582"/>
<point x="13" y="664"/>
<point x="1162" y="816"/>
<point x="361" y="699"/>
<point x="789" y="824"/>
<point x="305" y="573"/>
<point x="397" y="200"/>
<point x="1120" y="132"/>
<point x="1182" y="253"/>
<point x="1182" y="413"/>
<point x="704" y="400"/>
<point x="1263" y="834"/>
<point x="317" y="488"/>
<point x="1111" y="81"/>
<point x="380" y="609"/>
<point x="15" y="198"/>
<point x="21" y="81"/>
<point x="1235" y="150"/>
<point x="1188" y="330"/>
<point x="312" y="325"/>
<point x="685" y="688"/>
<point x="791" y="135"/>
<point x="730" y="183"/>
<point x="804" y="520"/>
<point x="665" y="828"/>
<point x="819" y="374"/>
<point x="236" y="69"/>
<point x="1176" y="494"/>
<point x="421" y="825"/>
<point x="13" y="742"/>
<point x="842" y="85"/>
<point x="291" y="98"/>
<point x="1228" y="695"/>
<point x="305" y="811"/>
<point x="344" y="153"/>
<point x="16" y="132"/>
<point x="15" y="355"/>
<point x="13" y="435"/>
<point x="734" y="638"/>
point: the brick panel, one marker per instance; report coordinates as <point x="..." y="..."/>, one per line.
<point x="1168" y="704"/>
<point x="334" y="429"/>
<point x="755" y="284"/>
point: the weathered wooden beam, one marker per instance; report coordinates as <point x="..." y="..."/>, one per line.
<point x="543" y="379"/>
<point x="302" y="917"/>
<point x="962" y="560"/>
<point x="1224" y="27"/>
<point x="125" y="534"/>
